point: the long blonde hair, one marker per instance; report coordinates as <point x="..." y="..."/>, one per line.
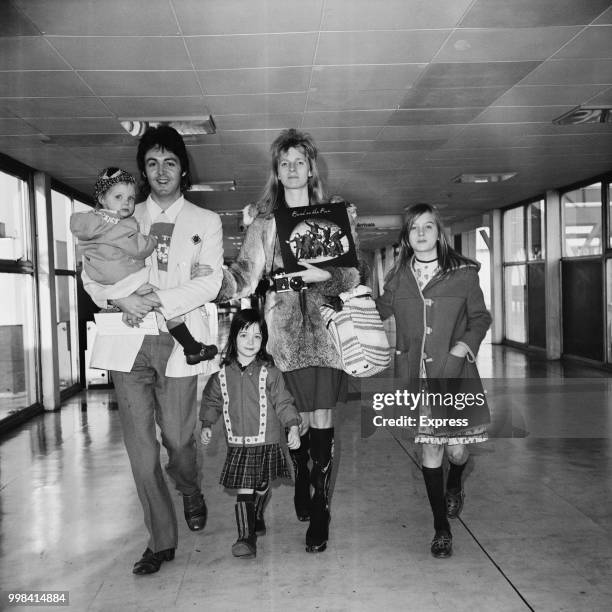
<point x="273" y="194"/>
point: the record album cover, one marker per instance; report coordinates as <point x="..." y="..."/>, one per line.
<point x="319" y="235"/>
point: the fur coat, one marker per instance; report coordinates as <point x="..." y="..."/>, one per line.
<point x="295" y="340"/>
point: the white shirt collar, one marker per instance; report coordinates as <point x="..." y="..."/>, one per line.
<point x="171" y="212"/>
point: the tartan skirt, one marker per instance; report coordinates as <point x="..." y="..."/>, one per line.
<point x="247" y="467"/>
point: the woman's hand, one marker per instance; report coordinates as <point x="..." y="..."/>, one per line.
<point x="311" y="274"/>
<point x="205" y="435"/>
<point x="293" y="438"/>
<point x="198" y="269"/>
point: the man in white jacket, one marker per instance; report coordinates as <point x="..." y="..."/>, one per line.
<point x="153" y="382"/>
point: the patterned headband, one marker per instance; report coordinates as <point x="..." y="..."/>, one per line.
<point x="109" y="177"/>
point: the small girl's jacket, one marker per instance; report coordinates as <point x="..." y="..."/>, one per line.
<point x="254" y="403"/>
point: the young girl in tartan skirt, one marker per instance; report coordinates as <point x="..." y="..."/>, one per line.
<point x="250" y="393"/>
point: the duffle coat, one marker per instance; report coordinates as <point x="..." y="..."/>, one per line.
<point x="450" y="309"/>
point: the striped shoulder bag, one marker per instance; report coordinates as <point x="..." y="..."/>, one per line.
<point x="357" y="333"/>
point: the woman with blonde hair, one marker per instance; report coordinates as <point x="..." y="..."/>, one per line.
<point x="298" y="340"/>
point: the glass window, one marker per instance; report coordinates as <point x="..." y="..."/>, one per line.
<point x="515" y="290"/>
<point x="67" y="331"/>
<point x="535" y="230"/>
<point x="582" y="221"/>
<point x="609" y="195"/>
<point x="18" y="343"/>
<point x="514" y="234"/>
<point x="14" y="221"/>
<point x="608" y="331"/>
<point x="63" y="244"/>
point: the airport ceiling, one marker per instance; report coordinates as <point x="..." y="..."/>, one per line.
<point x="401" y="95"/>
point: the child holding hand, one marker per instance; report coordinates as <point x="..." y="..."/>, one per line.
<point x="250" y="392"/>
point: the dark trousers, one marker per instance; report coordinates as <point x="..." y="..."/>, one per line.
<point x="146" y="396"/>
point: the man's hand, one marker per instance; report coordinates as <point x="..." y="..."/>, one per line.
<point x="137" y="306"/>
<point x="146" y="289"/>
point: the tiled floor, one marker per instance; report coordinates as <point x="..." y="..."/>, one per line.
<point x="534" y="533"/>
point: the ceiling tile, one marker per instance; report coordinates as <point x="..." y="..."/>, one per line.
<point x="252" y="51"/>
<point x="255" y="80"/>
<point x="340" y="78"/>
<point x="92" y="17"/>
<point x="28" y="53"/>
<point x="132" y="83"/>
<point x="605" y="98"/>
<point x="54" y="107"/>
<point x="345" y="146"/>
<point x="515" y="44"/>
<point x="37" y="84"/>
<point x="604" y="18"/>
<point x="239" y="17"/>
<point x="446" y="116"/>
<point x="519" y="114"/>
<point x="14" y="23"/>
<point x="426" y="132"/>
<point x="390" y="160"/>
<point x="593" y="42"/>
<point x="478" y="136"/>
<point x="345" y="118"/>
<point x="397" y="14"/>
<point x="386" y="47"/>
<point x="257" y="122"/>
<point x="477" y="74"/>
<point x="354" y="100"/>
<point x="77" y="126"/>
<point x="168" y="106"/>
<point x="15" y="127"/>
<point x="544" y="95"/>
<point x="571" y="72"/>
<point x="257" y="104"/>
<point x="455" y="97"/>
<point x="407" y="145"/>
<point x="530" y="13"/>
<point x="123" y="52"/>
<point x="248" y="136"/>
<point x="340" y="133"/>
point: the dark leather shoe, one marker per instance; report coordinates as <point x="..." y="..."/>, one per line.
<point x="454" y="503"/>
<point x="151" y="562"/>
<point x="442" y="545"/>
<point x="195" y="511"/>
<point x="206" y="353"/>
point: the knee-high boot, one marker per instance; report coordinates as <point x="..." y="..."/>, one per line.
<point x="245" y="546"/>
<point x="301" y="497"/>
<point x="321" y="452"/>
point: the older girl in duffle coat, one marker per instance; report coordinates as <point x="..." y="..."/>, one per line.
<point x="441" y="319"/>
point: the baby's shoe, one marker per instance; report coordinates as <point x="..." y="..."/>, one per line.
<point x="206" y="353"/>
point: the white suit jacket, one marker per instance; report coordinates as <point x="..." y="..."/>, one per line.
<point x="197" y="238"/>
